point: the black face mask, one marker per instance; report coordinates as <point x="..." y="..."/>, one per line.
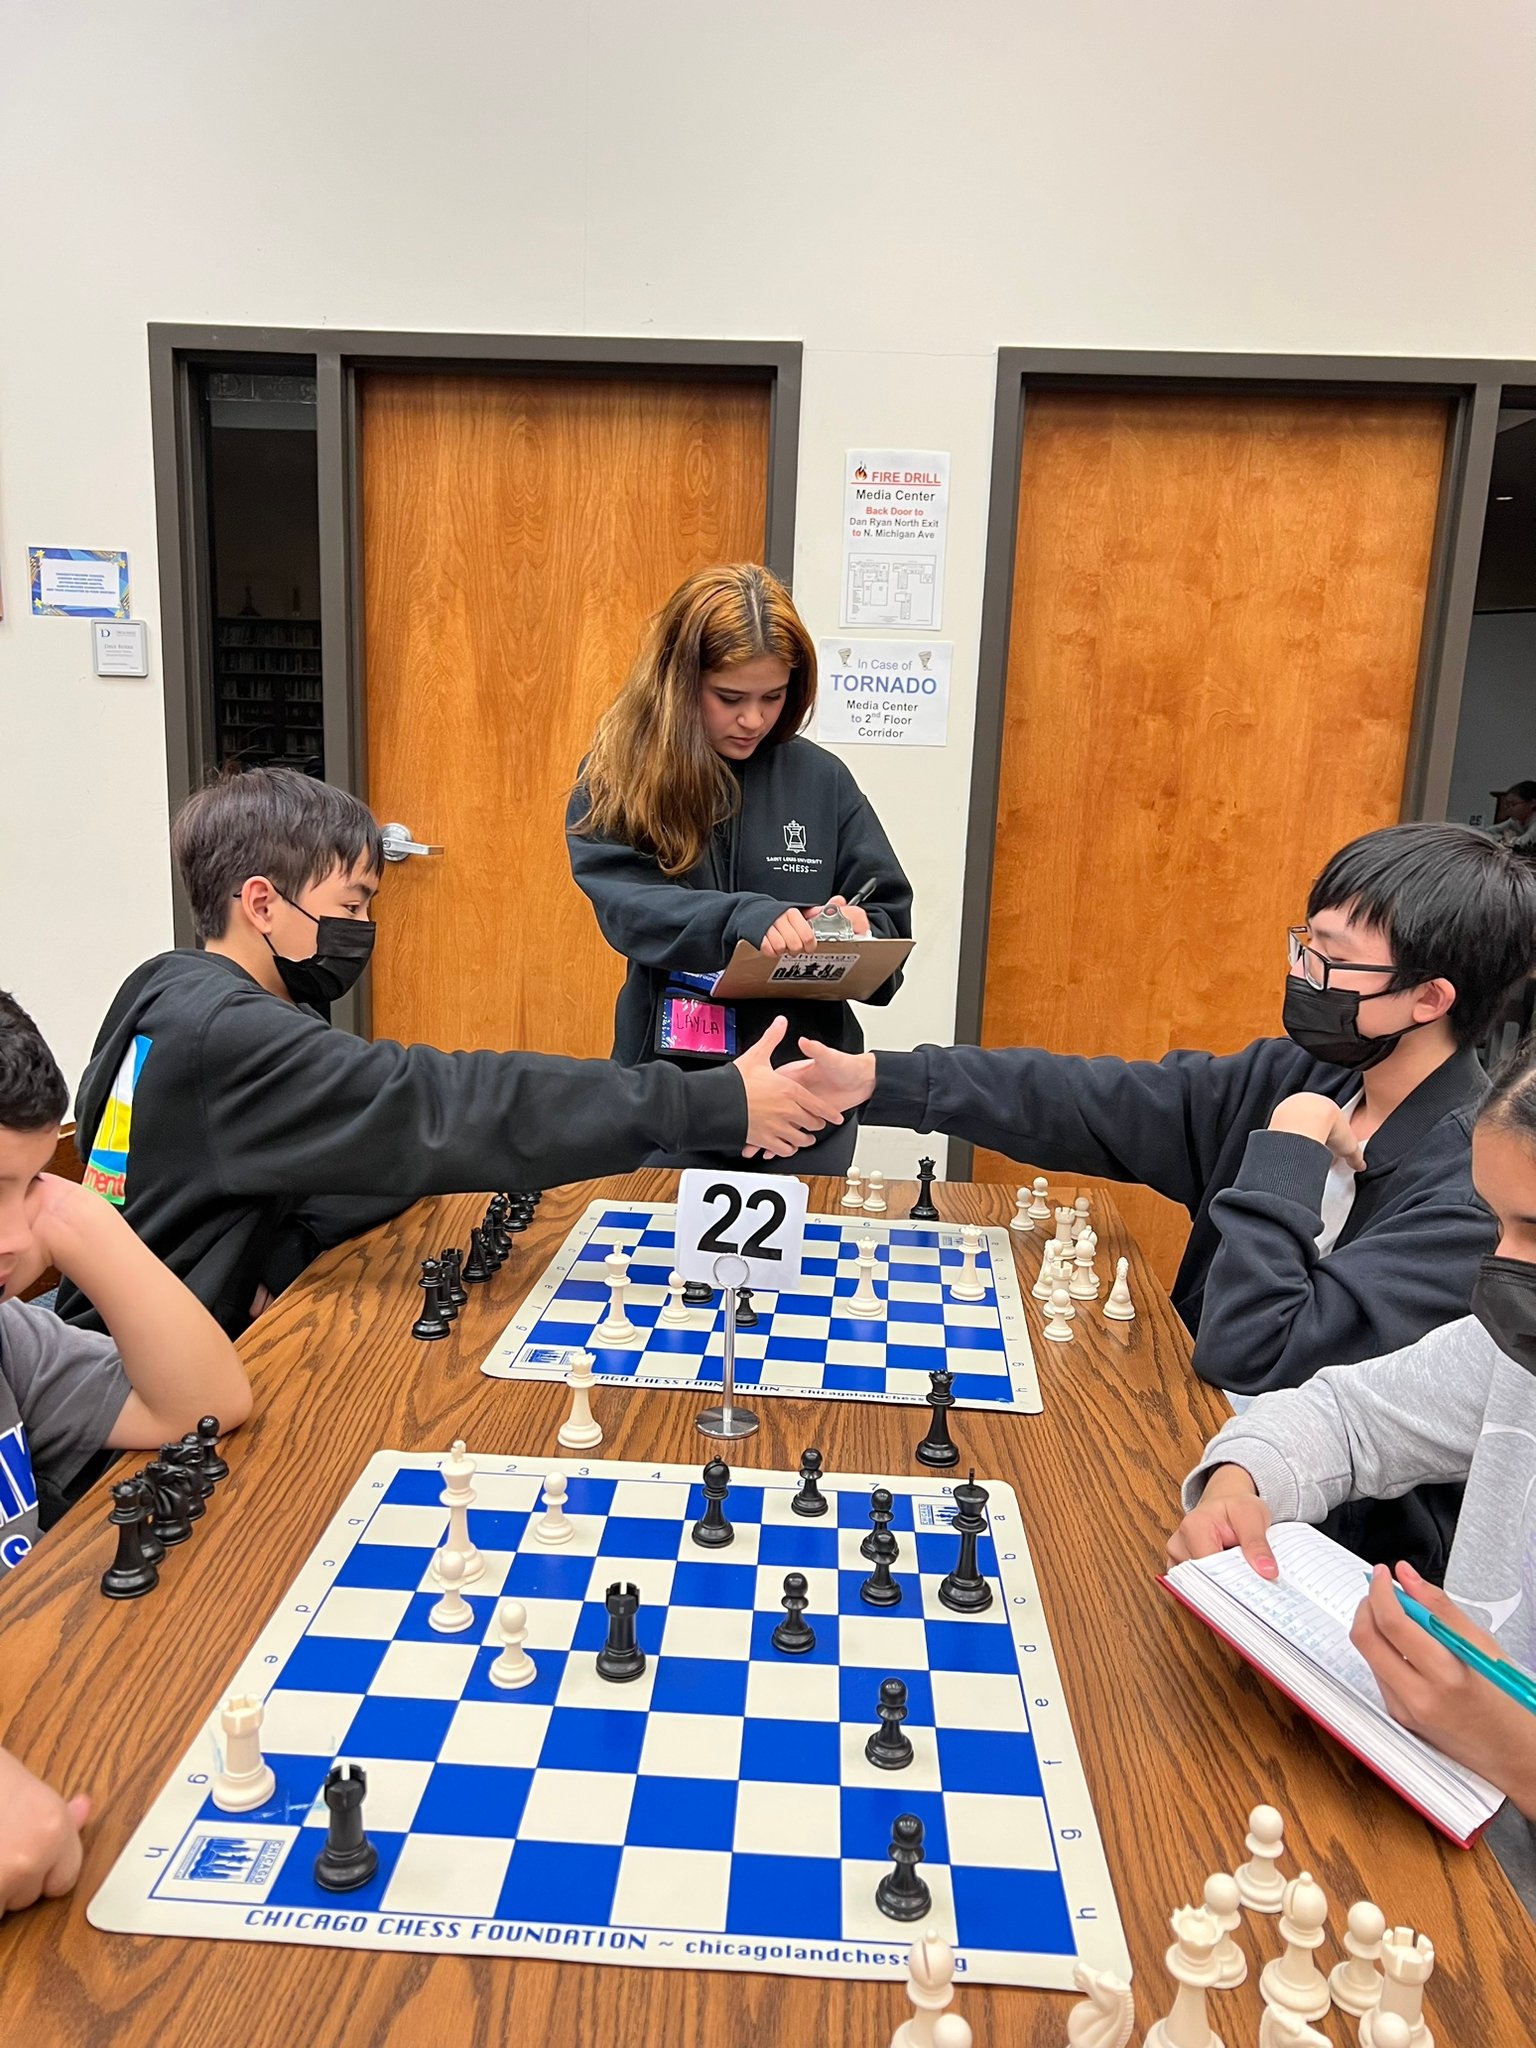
<point x="1504" y="1302"/>
<point x="343" y="948"/>
<point x="1325" y="1023"/>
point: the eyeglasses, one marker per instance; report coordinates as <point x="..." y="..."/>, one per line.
<point x="1315" y="968"/>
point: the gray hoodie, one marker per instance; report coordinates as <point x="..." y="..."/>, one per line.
<point x="1450" y="1407"/>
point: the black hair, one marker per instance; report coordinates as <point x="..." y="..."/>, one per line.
<point x="1451" y="902"/>
<point x="1510" y="1104"/>
<point x="32" y="1092"/>
<point x="1526" y="791"/>
<point x="267" y="821"/>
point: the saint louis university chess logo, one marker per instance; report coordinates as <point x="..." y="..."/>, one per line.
<point x="794" y="837"/>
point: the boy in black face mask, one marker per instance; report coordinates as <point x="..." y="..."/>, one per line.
<point x="1459" y="1405"/>
<point x="1327" y="1173"/>
<point x="240" y="1135"/>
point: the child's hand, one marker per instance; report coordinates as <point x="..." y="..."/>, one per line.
<point x="65" y="1217"/>
<point x="782" y="1116"/>
<point x="39" y="1837"/>
<point x="1435" y="1695"/>
<point x="789" y="933"/>
<point x="1229" y="1515"/>
<point x="1318" y="1116"/>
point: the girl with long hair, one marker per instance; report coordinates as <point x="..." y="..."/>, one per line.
<point x="701" y="817"/>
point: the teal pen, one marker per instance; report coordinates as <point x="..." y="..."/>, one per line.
<point x="1509" y="1678"/>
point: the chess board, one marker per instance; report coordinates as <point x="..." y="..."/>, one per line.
<point x="716" y="1813"/>
<point x="804" y="1343"/>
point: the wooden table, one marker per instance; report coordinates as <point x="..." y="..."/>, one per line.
<point x="1178" y="1739"/>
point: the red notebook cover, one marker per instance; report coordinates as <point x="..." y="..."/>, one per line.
<point x="1462" y="1842"/>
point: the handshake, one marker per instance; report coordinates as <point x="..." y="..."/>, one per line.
<point x="789" y="1106"/>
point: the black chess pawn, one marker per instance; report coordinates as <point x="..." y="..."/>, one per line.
<point x="130" y="1573"/>
<point x="189" y="1463"/>
<point x="922" y="1209"/>
<point x="712" y="1529"/>
<point x="154" y="1549"/>
<point x="191" y="1448"/>
<point x="938" y="1448"/>
<point x="880" y="1589"/>
<point x="172" y="1525"/>
<point x="348" y="1859"/>
<point x="794" y="1634"/>
<point x="881" y="1508"/>
<point x="477" y="1267"/>
<point x="965" y="1590"/>
<point x="890" y="1747"/>
<point x="746" y="1315"/>
<point x="452" y="1263"/>
<point x="810" y="1501"/>
<point x="520" y="1215"/>
<point x="208" y="1437"/>
<point x="621" y="1657"/>
<point x="901" y="1894"/>
<point x="698" y="1294"/>
<point x="431" y="1323"/>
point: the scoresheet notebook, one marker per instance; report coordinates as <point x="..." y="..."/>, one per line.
<point x="805" y="1342"/>
<point x="1296" y="1631"/>
<point x="717" y="1813"/>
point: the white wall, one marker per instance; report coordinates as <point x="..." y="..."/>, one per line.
<point x="902" y="186"/>
<point x="1496" y="739"/>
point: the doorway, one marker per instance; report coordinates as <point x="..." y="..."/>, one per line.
<point x="1217" y="601"/>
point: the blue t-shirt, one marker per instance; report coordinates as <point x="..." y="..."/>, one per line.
<point x="61" y="1390"/>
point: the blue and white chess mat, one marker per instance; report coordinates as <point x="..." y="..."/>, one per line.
<point x="717" y="1813"/>
<point x="805" y="1343"/>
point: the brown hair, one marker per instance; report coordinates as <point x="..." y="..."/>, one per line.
<point x="652" y="779"/>
<point x="267" y="821"/>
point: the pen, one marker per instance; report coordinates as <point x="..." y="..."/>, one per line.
<point x="864" y="894"/>
<point x="1499" y="1671"/>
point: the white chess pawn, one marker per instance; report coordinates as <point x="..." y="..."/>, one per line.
<point x="553" y="1527"/>
<point x="1057" y="1327"/>
<point x="616" y="1328"/>
<point x="930" y="1987"/>
<point x="1191" y="1963"/>
<point x="1356" y="1985"/>
<point x="1293" y="1981"/>
<point x="1022" y="1222"/>
<point x="853" y="1193"/>
<point x="951" y="2031"/>
<point x="1225" y="1908"/>
<point x="1389" y="2030"/>
<point x="968" y="1284"/>
<point x="1081" y="1209"/>
<point x="1085" y="1281"/>
<point x="677" y="1312"/>
<point x="1280" y="2029"/>
<point x="874" y="1192"/>
<point x="1106" y="2013"/>
<point x="453" y="1613"/>
<point x="1407" y="1960"/>
<point x="864" y="1301"/>
<point x="458" y="1497"/>
<point x="1259" y="1884"/>
<point x="247" y="1780"/>
<point x="580" y="1430"/>
<point x="1040" y="1207"/>
<point x="514" y="1667"/>
<point x="1119" y="1307"/>
<point x="1045" y="1280"/>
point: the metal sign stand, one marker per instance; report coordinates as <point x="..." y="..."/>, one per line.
<point x="726" y="1419"/>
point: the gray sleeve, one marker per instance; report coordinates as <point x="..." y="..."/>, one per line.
<point x="69" y="1386"/>
<point x="1362" y="1432"/>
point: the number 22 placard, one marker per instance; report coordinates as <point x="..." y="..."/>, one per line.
<point x="758" y="1218"/>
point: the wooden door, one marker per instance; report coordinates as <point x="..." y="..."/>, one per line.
<point x="517" y="532"/>
<point x="1217" y="606"/>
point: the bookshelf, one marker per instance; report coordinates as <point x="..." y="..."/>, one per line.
<point x="268" y="702"/>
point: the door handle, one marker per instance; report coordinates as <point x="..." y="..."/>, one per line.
<point x="399" y="844"/>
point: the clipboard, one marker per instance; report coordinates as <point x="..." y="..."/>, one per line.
<point x="839" y="971"/>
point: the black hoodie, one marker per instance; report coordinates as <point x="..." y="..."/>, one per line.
<point x="219" y="1118"/>
<point x="804" y="831"/>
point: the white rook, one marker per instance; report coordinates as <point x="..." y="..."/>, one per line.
<point x="246" y="1780"/>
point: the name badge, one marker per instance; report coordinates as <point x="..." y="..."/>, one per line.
<point x="696" y="1027"/>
